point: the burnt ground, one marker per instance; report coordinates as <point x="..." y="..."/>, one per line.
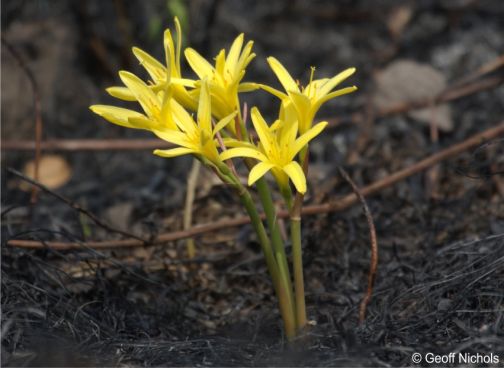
<point x="439" y="285"/>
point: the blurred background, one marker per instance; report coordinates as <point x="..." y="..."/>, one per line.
<point x="444" y="57"/>
<point x="403" y="51"/>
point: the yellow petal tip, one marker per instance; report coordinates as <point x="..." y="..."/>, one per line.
<point x="124" y="73"/>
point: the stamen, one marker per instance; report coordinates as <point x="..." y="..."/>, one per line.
<point x="310" y="87"/>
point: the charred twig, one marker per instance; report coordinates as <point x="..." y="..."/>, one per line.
<point x="334" y="206"/>
<point x="37" y="109"/>
<point x="75" y="206"/>
<point x="374" y="245"/>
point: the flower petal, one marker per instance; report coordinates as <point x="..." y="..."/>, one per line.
<point x="204" y="108"/>
<point x="277" y="125"/>
<point x="175" y="137"/>
<point x="223" y="123"/>
<point x="122" y="93"/>
<point x="142" y="122"/>
<point x="179" y="151"/>
<point x="247" y="87"/>
<point x="258" y="171"/>
<point x="262" y="129"/>
<point x="182" y="118"/>
<point x="273" y="91"/>
<point x="183" y="82"/>
<point x="246" y="56"/>
<point x="302" y="105"/>
<point x="200" y="66"/>
<point x="283" y="75"/>
<point x="334" y="81"/>
<point x="118" y="115"/>
<point x="232" y="142"/>
<point x="288" y="134"/>
<point x="339" y="92"/>
<point x="145" y="96"/>
<point x="287" y="111"/>
<point x="220" y="62"/>
<point x="166" y="116"/>
<point x="234" y="83"/>
<point x="296" y="174"/>
<point x="156" y="70"/>
<point x="300" y="101"/>
<point x="208" y="149"/>
<point x="171" y="60"/>
<point x="305" y="138"/>
<point x="243" y="152"/>
<point x="178" y="29"/>
<point x="234" y="54"/>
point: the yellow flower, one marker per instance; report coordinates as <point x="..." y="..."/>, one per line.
<point x="161" y="75"/>
<point x="154" y="106"/>
<point x="277" y="150"/>
<point x="168" y="119"/>
<point x="196" y="138"/>
<point x="224" y="79"/>
<point x="306" y="101"/>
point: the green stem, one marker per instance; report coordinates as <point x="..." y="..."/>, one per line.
<point x="297" y="261"/>
<point x="276" y="238"/>
<point x="282" y="285"/>
<point x="275" y="269"/>
<point x="297" y="251"/>
<point x="287" y="196"/>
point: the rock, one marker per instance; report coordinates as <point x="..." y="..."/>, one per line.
<point x="406" y="80"/>
<point x="53" y="172"/>
<point x="119" y="215"/>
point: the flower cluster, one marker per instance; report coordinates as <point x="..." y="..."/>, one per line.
<point x="217" y="132"/>
<point x="202" y="117"/>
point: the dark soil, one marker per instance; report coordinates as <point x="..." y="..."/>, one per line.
<point x="439" y="286"/>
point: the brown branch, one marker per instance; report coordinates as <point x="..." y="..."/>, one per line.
<point x="37" y="109"/>
<point x="88" y="144"/>
<point x="374" y="246"/>
<point x="128" y="243"/>
<point x="74" y="205"/>
<point x="456" y="91"/>
<point x="420" y="166"/>
<point x="487" y="68"/>
<point x="338" y="205"/>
